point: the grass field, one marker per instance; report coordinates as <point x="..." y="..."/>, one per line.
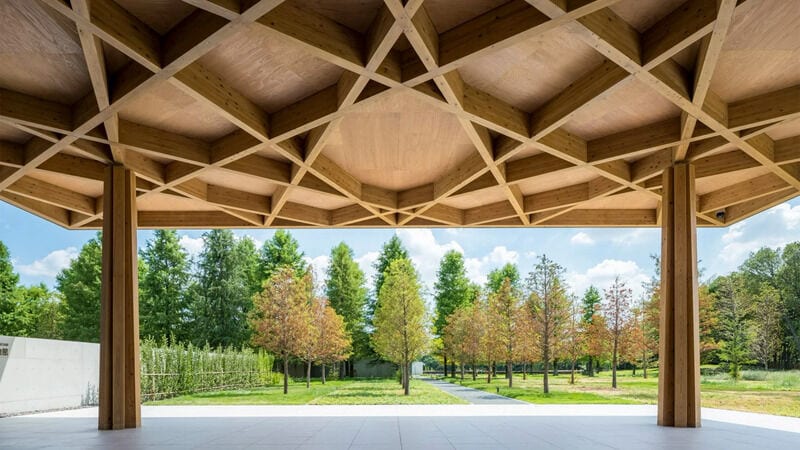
<point x="334" y="392"/>
<point x="758" y="391"/>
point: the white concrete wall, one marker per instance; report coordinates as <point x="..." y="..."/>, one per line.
<point x="43" y="374"/>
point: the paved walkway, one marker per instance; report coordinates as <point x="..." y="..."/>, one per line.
<point x="473" y="396"/>
<point x="306" y="427"/>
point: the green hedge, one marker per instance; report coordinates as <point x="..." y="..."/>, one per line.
<point x="177" y="369"/>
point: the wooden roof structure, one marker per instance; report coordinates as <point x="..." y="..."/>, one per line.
<point x="390" y="113"/>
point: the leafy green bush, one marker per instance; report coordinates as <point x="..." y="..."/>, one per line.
<point x="170" y="370"/>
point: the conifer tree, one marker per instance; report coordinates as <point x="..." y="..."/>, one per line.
<point x="163" y="296"/>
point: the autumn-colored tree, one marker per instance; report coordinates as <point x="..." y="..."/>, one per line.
<point x="549" y="306"/>
<point x="401" y="333"/>
<point x="502" y="324"/>
<point x="597" y="339"/>
<point x="527" y="348"/>
<point x="329" y="341"/>
<point x="617" y="313"/>
<point x="281" y="318"/>
<point x="573" y="342"/>
<point x="455" y="334"/>
<point x="633" y="344"/>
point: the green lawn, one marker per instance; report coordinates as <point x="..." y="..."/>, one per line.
<point x="334" y="392"/>
<point x="765" y="392"/>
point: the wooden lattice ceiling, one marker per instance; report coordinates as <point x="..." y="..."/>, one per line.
<point x="390" y="113"/>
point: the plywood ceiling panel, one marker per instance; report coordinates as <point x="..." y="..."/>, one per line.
<point x="274" y="73"/>
<point x="717" y="182"/>
<point x="40" y="54"/>
<point x="355" y="14"/>
<point x="168" y="108"/>
<point x="528" y="74"/>
<point x="631" y="105"/>
<point x="643" y="14"/>
<point x="398" y="143"/>
<point x="762" y="52"/>
<point x="632" y="200"/>
<point x="446" y="14"/>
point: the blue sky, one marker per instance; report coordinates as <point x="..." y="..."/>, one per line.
<point x="40" y="249"/>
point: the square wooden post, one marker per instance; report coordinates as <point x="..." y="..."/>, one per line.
<point x="679" y="342"/>
<point x="119" y="307"/>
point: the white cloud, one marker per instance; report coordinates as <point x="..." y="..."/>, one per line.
<point x="193" y="246"/>
<point x="425" y="252"/>
<point x="734" y="232"/>
<point x="366" y="262"/>
<point x="582" y="239"/>
<point x="790" y="215"/>
<point x="602" y="275"/>
<point x="50" y="265"/>
<point x="479" y="268"/>
<point x="319" y="264"/>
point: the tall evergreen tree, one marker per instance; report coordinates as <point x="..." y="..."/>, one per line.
<point x="220" y="296"/>
<point x="80" y="288"/>
<point x="347" y="295"/>
<point x="497" y="276"/>
<point x="163" y="289"/>
<point x="280" y="251"/>
<point x="789" y="290"/>
<point x="735" y="310"/>
<point x="248" y="254"/>
<point x="452" y="290"/>
<point x="392" y="250"/>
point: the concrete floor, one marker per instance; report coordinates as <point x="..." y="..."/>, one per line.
<point x="396" y="427"/>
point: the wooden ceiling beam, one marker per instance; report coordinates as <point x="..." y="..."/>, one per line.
<point x="635" y="142"/>
<point x="228" y="9"/>
<point x="163" y="144"/>
<point x="604" y="218"/>
<point x="708" y="55"/>
<point x="236" y="199"/>
<point x="765" y="108"/>
<point x="188" y="220"/>
<point x="749" y="208"/>
<point x="28" y="110"/>
<point x="44" y="210"/>
<point x="445" y="214"/>
<point x="53" y="195"/>
<point x="740" y="192"/>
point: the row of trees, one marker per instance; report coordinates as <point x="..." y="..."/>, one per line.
<point x="747" y="317"/>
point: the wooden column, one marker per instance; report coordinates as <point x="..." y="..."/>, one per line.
<point x="119" y="308"/>
<point x="679" y="343"/>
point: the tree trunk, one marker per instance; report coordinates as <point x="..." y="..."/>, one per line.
<point x="634" y="370"/>
<point x="510" y="373"/>
<point x="555" y="367"/>
<point x="546" y="386"/>
<point x="614" y="366"/>
<point x="285" y="374"/>
<point x="590" y="367"/>
<point x="308" y="375"/>
<point x="453" y="369"/>
<point x="489" y="373"/>
<point x="445" y="366"/>
<point x="406" y="390"/>
<point x="572" y="373"/>
<point x="323" y="374"/>
<point x="494" y="369"/>
<point x="474" y="371"/>
<point x="524" y="371"/>
<point x="462" y="371"/>
<point x="644" y="371"/>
